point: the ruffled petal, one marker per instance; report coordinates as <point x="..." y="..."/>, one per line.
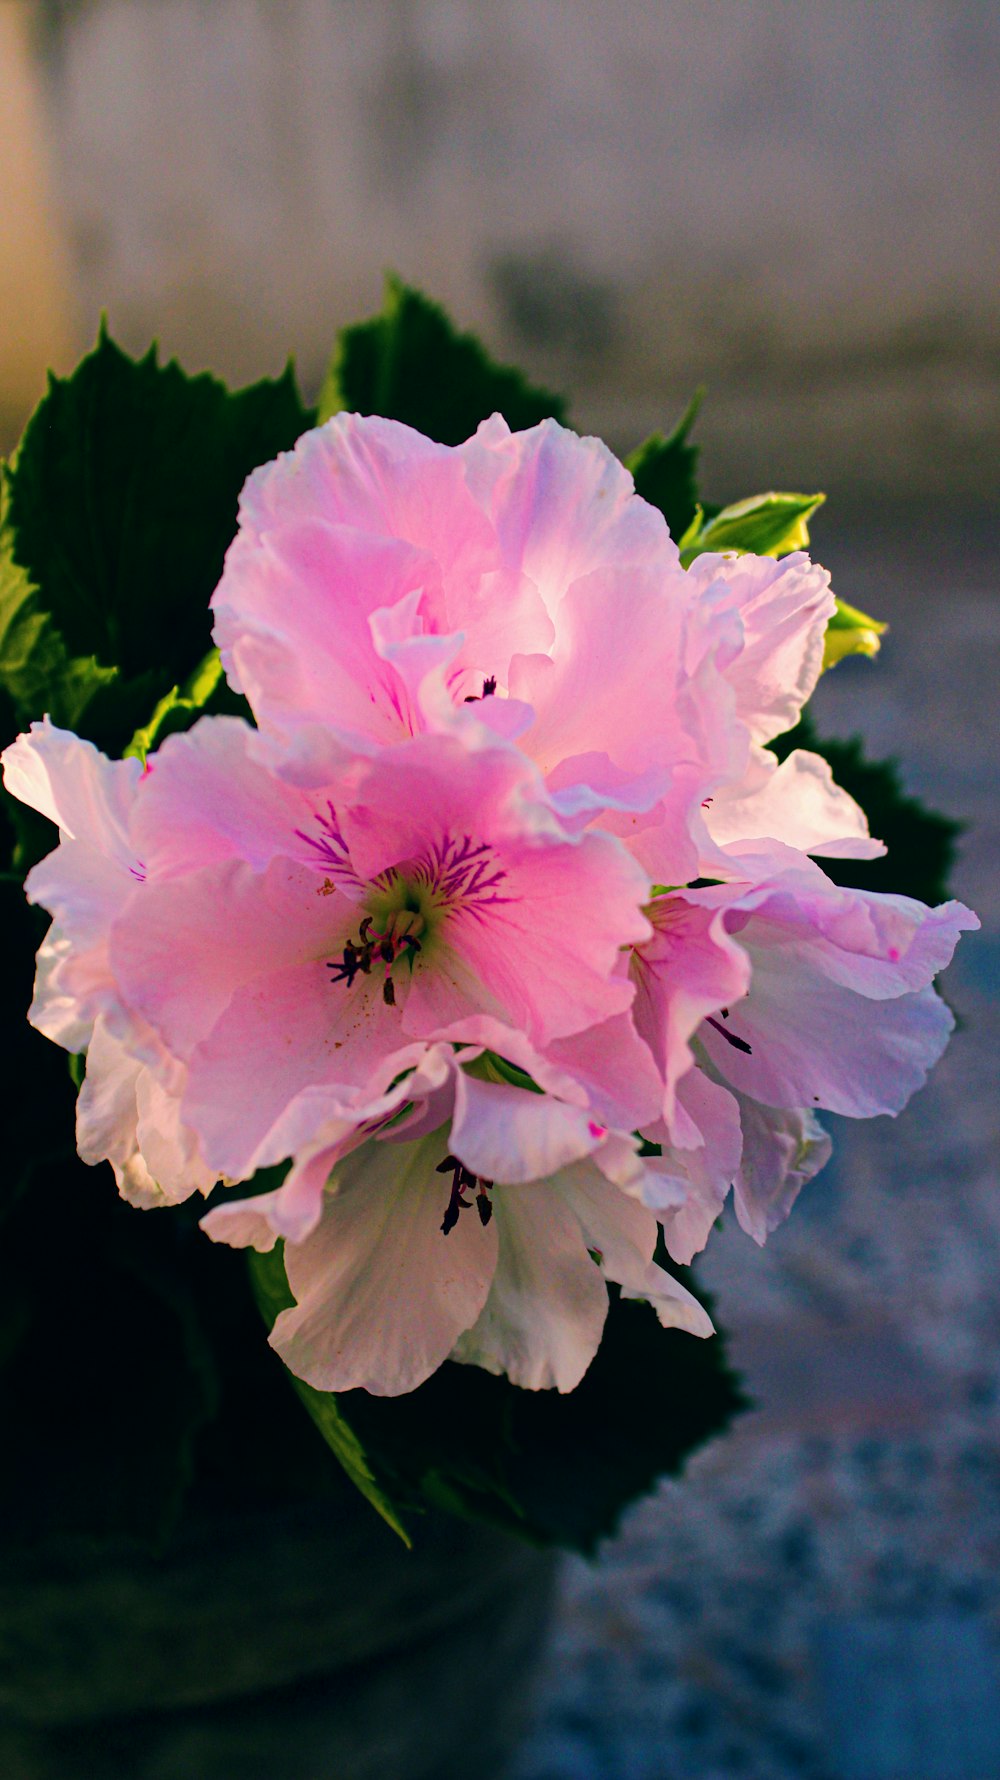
<point x="561" y="506"/>
<point x="621" y="1233"/>
<point x="129" y="1117"/>
<point x="509" y="1134"/>
<point x="783" y="607"/>
<point x="687" y="1185"/>
<point x="68" y="780"/>
<point x="690" y="968"/>
<point x="796" y="804"/>
<point x="210" y="796"/>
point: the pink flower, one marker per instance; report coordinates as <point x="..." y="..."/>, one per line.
<point x="404" y="935"/>
<point x="381" y="585"/>
<point x="406" y="1252"/>
<point x="298" y="939"/>
<point x="128" y="1111"/>
<point x="771" y="1000"/>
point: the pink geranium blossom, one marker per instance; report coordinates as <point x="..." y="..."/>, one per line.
<point x="506" y="875"/>
<point x="380" y="585"/>
<point x="768" y="1001"/>
<point x="511" y="1278"/>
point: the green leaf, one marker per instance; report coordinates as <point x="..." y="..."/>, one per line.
<point x="204" y="691"/>
<point x="920" y="842"/>
<point x="851" y="632"/>
<point x="665" y="472"/>
<point x="267" y="1274"/>
<point x="554" y="1469"/>
<point x="115" y="515"/>
<point x="409" y="363"/>
<point x="764" y="524"/>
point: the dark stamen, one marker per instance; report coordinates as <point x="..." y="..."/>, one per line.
<point x="489" y="688"/>
<point x="464" y="1181"/>
<point x="359" y="954"/>
<point x="738" y="1044"/>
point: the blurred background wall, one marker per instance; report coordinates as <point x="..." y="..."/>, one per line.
<point x="792" y="202"/>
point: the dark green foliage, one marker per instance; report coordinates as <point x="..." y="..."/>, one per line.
<point x="409" y="363"/>
<point x="665" y="471"/>
<point x="103" y="1381"/>
<point x="115" y="515"/>
<point x="555" y="1469"/>
<point x="920" y="842"/>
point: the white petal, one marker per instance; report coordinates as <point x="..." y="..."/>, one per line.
<point x="381" y="1294"/>
<point x="545" y="1313"/>
<point x="88" y="796"/>
<point x="623" y="1233"/>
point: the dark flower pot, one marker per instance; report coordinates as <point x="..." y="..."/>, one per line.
<point x="300" y="1644"/>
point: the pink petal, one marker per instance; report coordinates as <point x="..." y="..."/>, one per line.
<point x="797" y="804"/>
<point x="688" y="1184"/>
<point x="688" y="969"/>
<point x="561" y="505"/>
<point x="782" y="1150"/>
<point x="184" y="947"/>
<point x="210" y="798"/>
<point x="509" y="1134"/>
<point x="783" y="608"/>
<point x="293" y="617"/>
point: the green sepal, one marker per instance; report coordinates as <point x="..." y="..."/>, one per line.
<point x="410" y="363"/>
<point x="664" y="470"/>
<point x="763" y="525"/>
<point x="851" y="632"/>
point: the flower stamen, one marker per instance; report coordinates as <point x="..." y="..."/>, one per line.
<point x="489" y="688"/>
<point x="464" y="1181"/>
<point x="738" y="1044"/>
<point x="358" y="955"/>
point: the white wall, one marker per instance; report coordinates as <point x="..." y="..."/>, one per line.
<point x="793" y="200"/>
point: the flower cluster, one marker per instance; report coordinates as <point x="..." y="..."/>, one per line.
<point x="503" y="926"/>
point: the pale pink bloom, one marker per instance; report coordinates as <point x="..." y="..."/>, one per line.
<point x="397" y="1260"/>
<point x="128" y="1110"/>
<point x="87" y="879"/>
<point x="403" y="933"/>
<point x="381" y="585"/>
<point x="770" y="1000"/>
<point x="307" y="939"/>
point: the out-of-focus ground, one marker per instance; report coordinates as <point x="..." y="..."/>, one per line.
<point x="796" y="206"/>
